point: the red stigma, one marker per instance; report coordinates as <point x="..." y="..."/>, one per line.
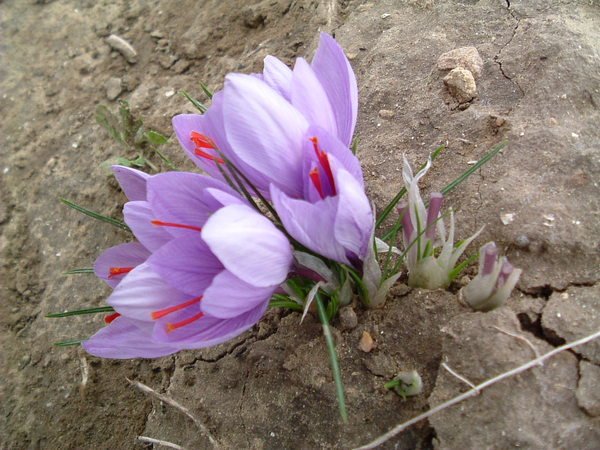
<point x="160" y="223"/>
<point x="116" y="271"/>
<point x="183" y="323"/>
<point x="201" y="141"/>
<point x="316" y="179"/>
<point x="324" y="161"/>
<point x="111" y="317"/>
<point x="171" y="309"/>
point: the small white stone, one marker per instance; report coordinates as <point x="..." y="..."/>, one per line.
<point x="5" y="170"/>
<point x="170" y="93"/>
<point x="385" y="16"/>
<point x="507" y="218"/>
<point x="575" y="135"/>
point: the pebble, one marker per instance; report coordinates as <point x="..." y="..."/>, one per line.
<point x="386" y="114"/>
<point x="167" y="60"/>
<point x="157" y="34"/>
<point x="114" y="87"/>
<point x="522" y="241"/>
<point x="464" y="57"/>
<point x="461" y="85"/>
<point x="123" y="47"/>
<point x="181" y="66"/>
<point x="366" y="343"/>
<point x="348" y="319"/>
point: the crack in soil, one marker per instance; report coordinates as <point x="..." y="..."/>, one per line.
<point x="497" y="57"/>
<point x="241" y="406"/>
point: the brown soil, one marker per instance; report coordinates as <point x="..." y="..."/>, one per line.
<point x="272" y="388"/>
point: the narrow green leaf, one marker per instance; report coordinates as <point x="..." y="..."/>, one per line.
<point x="69" y="342"/>
<point x="206" y="90"/>
<point x="78" y="312"/>
<point x="402" y="192"/>
<point x="462" y="266"/>
<point x="117" y="223"/>
<point x="333" y="359"/>
<point x="467" y="173"/>
<point x="156" y="138"/>
<point x="79" y="271"/>
<point x="197" y="103"/>
<point x="288" y="304"/>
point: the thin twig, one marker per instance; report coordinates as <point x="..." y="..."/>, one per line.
<point x="142" y="387"/>
<point x="457" y="375"/>
<point x="150" y="440"/>
<point x="471" y="392"/>
<point x="521" y="338"/>
<point x="159" y="442"/>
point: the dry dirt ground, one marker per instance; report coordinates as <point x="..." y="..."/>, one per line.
<point x="272" y="388"/>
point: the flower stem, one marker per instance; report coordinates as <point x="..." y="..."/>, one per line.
<point x="335" y="368"/>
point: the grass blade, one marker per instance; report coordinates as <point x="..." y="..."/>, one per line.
<point x="69" y="342"/>
<point x="197" y="103"/>
<point x="402" y="192"/>
<point x="206" y="90"/>
<point x="467" y="173"/>
<point x="79" y="271"/>
<point x="335" y="368"/>
<point x="77" y="312"/>
<point x="115" y="222"/>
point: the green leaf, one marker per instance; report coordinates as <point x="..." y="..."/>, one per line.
<point x="333" y="359"/>
<point x="95" y="215"/>
<point x="78" y="312"/>
<point x="467" y="173"/>
<point x="197" y="103"/>
<point x="79" y="271"/>
<point x="107" y="120"/>
<point x="288" y="304"/>
<point x="402" y="192"/>
<point x="206" y="90"/>
<point x="69" y="342"/>
<point x="155" y="138"/>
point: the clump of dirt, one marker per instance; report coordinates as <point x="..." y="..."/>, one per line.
<point x="272" y="387"/>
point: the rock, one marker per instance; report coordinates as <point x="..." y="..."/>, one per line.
<point x="114" y="87"/>
<point x="167" y="60"/>
<point x="254" y="16"/>
<point x="386" y="114"/>
<point x="461" y="85"/>
<point x="157" y="34"/>
<point x="522" y="241"/>
<point x="464" y="57"/>
<point x="588" y="394"/>
<point x="123" y="47"/>
<point x="572" y="315"/>
<point x="366" y="343"/>
<point x="181" y="66"/>
<point x="348" y="319"/>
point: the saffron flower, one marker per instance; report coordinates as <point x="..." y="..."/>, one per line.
<point x="431" y="255"/>
<point x="260" y="122"/>
<point x="493" y="283"/>
<point x="214" y="263"/>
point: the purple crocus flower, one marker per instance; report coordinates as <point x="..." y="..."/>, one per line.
<point x="260" y="122"/>
<point x="214" y="264"/>
<point x="494" y="282"/>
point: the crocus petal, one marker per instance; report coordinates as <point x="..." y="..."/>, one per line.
<point x="335" y="74"/>
<point x="181" y="197"/>
<point x="132" y="181"/>
<point x="122" y="256"/>
<point x="311" y="224"/>
<point x="139" y="216"/>
<point x="185" y="124"/>
<point x="354" y="218"/>
<point x="265" y="132"/>
<point x="124" y="339"/>
<point x="142" y="292"/>
<point x="228" y="296"/>
<point x="248" y="245"/>
<point x="277" y="75"/>
<point x="186" y="264"/>
<point x="336" y="148"/>
<point x="208" y="330"/>
<point x="309" y="97"/>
